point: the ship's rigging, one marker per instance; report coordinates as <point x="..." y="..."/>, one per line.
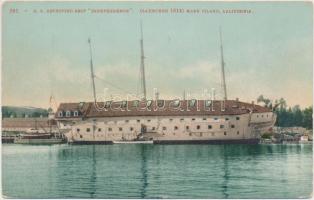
<point x="143" y="94"/>
<point x="223" y="79"/>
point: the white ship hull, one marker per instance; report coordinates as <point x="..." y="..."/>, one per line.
<point x="233" y="129"/>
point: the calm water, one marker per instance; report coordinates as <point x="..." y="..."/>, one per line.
<point x="157" y="171"/>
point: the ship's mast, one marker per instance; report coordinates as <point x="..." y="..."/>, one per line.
<point x="142" y="69"/>
<point x="223" y="80"/>
<point x="92" y="69"/>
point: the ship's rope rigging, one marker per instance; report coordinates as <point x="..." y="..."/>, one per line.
<point x="115" y="86"/>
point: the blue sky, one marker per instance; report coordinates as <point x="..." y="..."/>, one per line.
<point x="266" y="52"/>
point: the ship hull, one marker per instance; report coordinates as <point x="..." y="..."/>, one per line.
<point x="39" y="141"/>
<point x="91" y="142"/>
<point x="235" y="141"/>
<point x="227" y="141"/>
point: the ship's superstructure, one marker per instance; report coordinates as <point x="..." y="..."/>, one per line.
<point x="164" y="121"/>
<point x="185" y="121"/>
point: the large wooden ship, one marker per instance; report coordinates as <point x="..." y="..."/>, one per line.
<point x="164" y="121"/>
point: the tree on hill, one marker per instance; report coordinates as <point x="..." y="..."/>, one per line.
<point x="287" y="116"/>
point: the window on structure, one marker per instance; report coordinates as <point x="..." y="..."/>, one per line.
<point x="107" y="104"/>
<point x="75" y="113"/>
<point x="201" y="134"/>
<point x="68" y="113"/>
<point x="237" y="118"/>
<point x="175" y="128"/>
<point x="176" y="103"/>
<point x="60" y="114"/>
<point x="190" y="134"/>
<point x="99" y="129"/>
<point x="149" y="103"/>
<point x="262" y="115"/>
<point x="187" y="127"/>
<point x="227" y="119"/>
<point x="148" y="120"/>
<point x="153" y="128"/>
<point x="208" y="103"/>
<point x="181" y="120"/>
<point x="267" y="115"/>
<point x="232" y="126"/>
<point x="124" y="103"/>
<point x="164" y="128"/>
<point x="198" y="127"/>
<point x="210" y="127"/>
<point x="170" y="120"/>
<point x="88" y="130"/>
<point x="120" y="128"/>
<point x="215" y="118"/>
<point x="81" y="136"/>
<point x="192" y="103"/>
<point x="138" y="120"/>
<point x="109" y="129"/>
<point x="131" y="128"/>
<point x="204" y="118"/>
<point x="225" y="133"/>
<point x="136" y="103"/>
<point x="78" y="130"/>
<point x="257" y="116"/>
<point x="238" y="132"/>
<point x="222" y="126"/>
<point x="81" y="104"/>
<point x="160" y="103"/>
<point x="213" y="134"/>
<point x="193" y="119"/>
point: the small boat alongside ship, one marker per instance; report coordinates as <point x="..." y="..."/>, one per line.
<point x="133" y="142"/>
<point x="36" y="133"/>
<point x="38" y="139"/>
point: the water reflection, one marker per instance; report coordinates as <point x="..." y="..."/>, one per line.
<point x="226" y="173"/>
<point x="143" y="152"/>
<point x="158" y="171"/>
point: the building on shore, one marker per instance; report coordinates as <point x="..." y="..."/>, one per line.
<point x="17" y="125"/>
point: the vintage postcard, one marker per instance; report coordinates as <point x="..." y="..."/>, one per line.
<point x="157" y="99"/>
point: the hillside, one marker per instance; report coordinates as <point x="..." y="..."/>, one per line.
<point x="8" y="111"/>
